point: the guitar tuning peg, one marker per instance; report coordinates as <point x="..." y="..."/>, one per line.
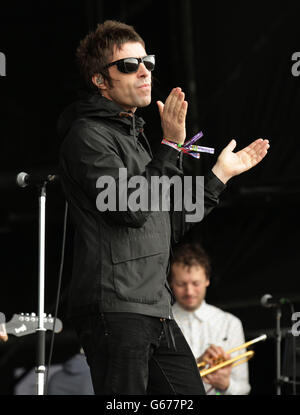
<point x="22" y="314"/>
<point x="27" y="314"/>
<point x="49" y="315"/>
<point x="33" y="314"/>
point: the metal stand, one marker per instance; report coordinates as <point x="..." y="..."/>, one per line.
<point x="278" y="351"/>
<point x="40" y="181"/>
<point x="41" y="331"/>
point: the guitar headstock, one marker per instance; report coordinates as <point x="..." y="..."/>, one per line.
<point x="22" y="324"/>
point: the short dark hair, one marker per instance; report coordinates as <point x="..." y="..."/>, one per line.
<point x="191" y="254"/>
<point x="97" y="48"/>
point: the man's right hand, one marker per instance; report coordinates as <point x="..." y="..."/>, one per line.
<point x="173" y="115"/>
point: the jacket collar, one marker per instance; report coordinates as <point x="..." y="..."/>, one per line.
<point x="95" y="105"/>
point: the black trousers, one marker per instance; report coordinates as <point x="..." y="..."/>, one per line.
<point x="133" y="354"/>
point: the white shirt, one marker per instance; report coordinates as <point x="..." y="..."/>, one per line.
<point x="211" y="325"/>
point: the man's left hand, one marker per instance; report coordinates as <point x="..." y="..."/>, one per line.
<point x="230" y="164"/>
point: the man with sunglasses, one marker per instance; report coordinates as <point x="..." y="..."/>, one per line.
<point x="120" y="301"/>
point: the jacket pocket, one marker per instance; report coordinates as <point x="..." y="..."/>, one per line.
<point x="139" y="268"/>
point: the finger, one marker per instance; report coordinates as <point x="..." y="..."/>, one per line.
<point x="231" y="146"/>
<point x="178" y="103"/>
<point x="215" y="349"/>
<point x="220" y="351"/>
<point x="262" y="148"/>
<point x="205" y="380"/>
<point x="183" y="112"/>
<point x="254" y="148"/>
<point x="208" y="379"/>
<point x="213" y="352"/>
<point x="167" y="101"/>
<point x="257" y="150"/>
<point x="160" y="107"/>
<point x="257" y="146"/>
<point x="210" y="356"/>
<point x="172" y="100"/>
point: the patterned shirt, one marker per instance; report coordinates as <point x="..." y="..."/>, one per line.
<point x="211" y="325"/>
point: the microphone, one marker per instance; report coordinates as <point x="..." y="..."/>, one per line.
<point x="269" y="301"/>
<point x="24" y="179"/>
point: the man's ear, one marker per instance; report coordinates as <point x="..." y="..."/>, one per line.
<point x="98" y="80"/>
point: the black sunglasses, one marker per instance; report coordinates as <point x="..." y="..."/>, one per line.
<point x="131" y="65"/>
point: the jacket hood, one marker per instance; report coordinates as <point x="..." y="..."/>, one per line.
<point x="93" y="105"/>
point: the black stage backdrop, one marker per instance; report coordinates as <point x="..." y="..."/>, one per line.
<point x="234" y="61"/>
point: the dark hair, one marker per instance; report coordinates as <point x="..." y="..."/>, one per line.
<point x="191" y="254"/>
<point x="97" y="48"/>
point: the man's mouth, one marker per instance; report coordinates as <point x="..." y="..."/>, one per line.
<point x="189" y="298"/>
<point x="144" y="86"/>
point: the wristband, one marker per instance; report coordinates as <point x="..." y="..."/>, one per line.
<point x="189" y="147"/>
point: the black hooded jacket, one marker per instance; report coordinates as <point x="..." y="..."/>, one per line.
<point x="121" y="257"/>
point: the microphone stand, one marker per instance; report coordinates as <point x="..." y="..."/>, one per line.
<point x="266" y="301"/>
<point x="23" y="180"/>
<point x="278" y="351"/>
<point x="41" y="331"/>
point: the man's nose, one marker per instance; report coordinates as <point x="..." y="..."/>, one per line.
<point x="143" y="71"/>
<point x="189" y="290"/>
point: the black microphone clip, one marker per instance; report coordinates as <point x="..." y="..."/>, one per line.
<point x="24" y="179"/>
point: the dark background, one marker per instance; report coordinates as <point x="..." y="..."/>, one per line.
<point x="233" y="60"/>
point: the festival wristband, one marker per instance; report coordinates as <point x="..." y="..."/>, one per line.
<point x="189" y="147"/>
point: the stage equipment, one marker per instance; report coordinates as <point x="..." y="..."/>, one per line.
<point x="40" y="182"/>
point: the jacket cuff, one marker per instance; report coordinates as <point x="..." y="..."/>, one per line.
<point x="167" y="153"/>
<point x="214" y="183"/>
